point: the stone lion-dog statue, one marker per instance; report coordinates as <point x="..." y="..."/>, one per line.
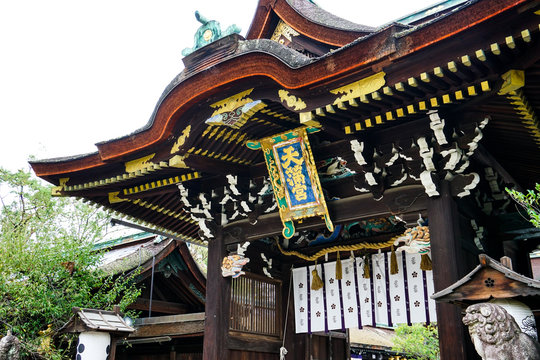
<point x="497" y="336"/>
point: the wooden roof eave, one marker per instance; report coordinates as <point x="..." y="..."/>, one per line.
<point x="146" y="267"/>
<point x="192" y="265"/>
<point x="262" y="24"/>
<point x="172" y="325"/>
<point x="341" y="63"/>
<point x="452" y="293"/>
<point x="48" y="168"/>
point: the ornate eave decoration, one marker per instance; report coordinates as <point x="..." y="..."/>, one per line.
<point x="283" y="33"/>
<point x="294" y="177"/>
<point x="237" y="117"/>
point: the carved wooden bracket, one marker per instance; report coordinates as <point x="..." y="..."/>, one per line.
<point x="241" y="198"/>
<point x="441" y="154"/>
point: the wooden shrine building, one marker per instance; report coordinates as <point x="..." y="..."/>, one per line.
<point x="320" y="141"/>
<point x="171" y="303"/>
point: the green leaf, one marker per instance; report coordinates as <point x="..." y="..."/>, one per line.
<point x="39" y="237"/>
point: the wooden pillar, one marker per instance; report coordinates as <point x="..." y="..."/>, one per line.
<point x="446" y="255"/>
<point x="112" y="353"/>
<point x="216" y="324"/>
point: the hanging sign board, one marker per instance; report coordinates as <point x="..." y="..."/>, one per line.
<point x="294" y="177"/>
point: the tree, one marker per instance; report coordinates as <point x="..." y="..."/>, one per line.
<point x="418" y="342"/>
<point x="530" y="202"/>
<point x="48" y="265"/>
<point x="200" y="255"/>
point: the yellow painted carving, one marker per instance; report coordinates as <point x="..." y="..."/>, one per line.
<point x="247" y="115"/>
<point x="513" y="80"/>
<point x="139" y="164"/>
<point x="214" y="132"/>
<point x="361" y="87"/>
<point x="241" y="138"/>
<point x="177" y="161"/>
<point x="113" y="197"/>
<point x="220" y="135"/>
<point x="56" y="190"/>
<point x="526" y="112"/>
<point x="159" y="209"/>
<point x="232" y="102"/>
<point x="181" y="140"/>
<point x="161" y="183"/>
<point x="292" y="101"/>
<point x="227" y="135"/>
<point x="307" y="118"/>
<point x="273" y="170"/>
<point x="252" y="111"/>
<point x="283" y="29"/>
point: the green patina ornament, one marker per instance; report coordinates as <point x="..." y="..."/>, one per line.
<point x="209" y="32"/>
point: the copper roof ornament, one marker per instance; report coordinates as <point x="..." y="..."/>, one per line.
<point x="208" y="32"/>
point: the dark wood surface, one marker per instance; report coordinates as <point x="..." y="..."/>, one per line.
<point x="217" y="303"/>
<point x="408" y="199"/>
<point x="164" y="307"/>
<point x="250" y="355"/>
<point x="253" y="343"/>
<point x="490" y="283"/>
<point x="445" y="255"/>
<point x="170" y="329"/>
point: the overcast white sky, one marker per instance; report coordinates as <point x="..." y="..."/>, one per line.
<point x="75" y="72"/>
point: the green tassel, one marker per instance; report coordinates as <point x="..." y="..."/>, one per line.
<point x="393" y="262"/>
<point x="316" y="283"/>
<point x="425" y="263"/>
<point x="366" y="268"/>
<point x="339" y="274"/>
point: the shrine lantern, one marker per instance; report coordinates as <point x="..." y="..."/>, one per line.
<point x="98" y="330"/>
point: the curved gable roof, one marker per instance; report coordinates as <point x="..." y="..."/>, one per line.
<point x="274" y="64"/>
<point x="306" y="18"/>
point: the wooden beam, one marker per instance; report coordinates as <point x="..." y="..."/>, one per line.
<point x="159" y="306"/>
<point x="252" y="342"/>
<point x="402" y="200"/>
<point x="484" y="157"/>
<point x="176" y="325"/>
<point x="214" y="166"/>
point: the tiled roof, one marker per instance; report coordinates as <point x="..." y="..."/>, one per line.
<point x="96" y="320"/>
<point x="103" y="320"/>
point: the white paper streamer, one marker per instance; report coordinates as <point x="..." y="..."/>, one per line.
<point x="364" y="291"/>
<point x="300" y="287"/>
<point x="333" y="304"/>
<point x="397" y="292"/>
<point x="416" y="289"/>
<point x="317" y="303"/>
<point x="379" y="283"/>
<point x="330" y="309"/>
<point x="431" y="291"/>
<point x="348" y="289"/>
